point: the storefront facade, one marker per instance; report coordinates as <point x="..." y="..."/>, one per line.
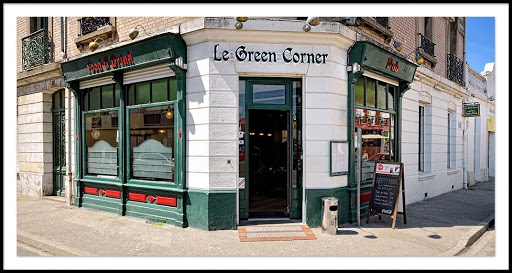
<point x="130" y="140"/>
<point x="209" y="126"/>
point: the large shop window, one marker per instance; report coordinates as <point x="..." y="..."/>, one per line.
<point x="101" y="116"/>
<point x="152" y="130"/>
<point x="375" y="116"/>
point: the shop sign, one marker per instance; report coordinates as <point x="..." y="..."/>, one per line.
<point x="152" y="51"/>
<point x="491" y="124"/>
<point x="288" y="55"/>
<point x="108" y="63"/>
<point x="372" y="57"/>
<point x="471" y="110"/>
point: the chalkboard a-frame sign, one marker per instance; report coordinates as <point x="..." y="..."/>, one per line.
<point x="388" y="183"/>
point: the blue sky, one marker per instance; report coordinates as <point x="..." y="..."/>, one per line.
<point x="480" y="47"/>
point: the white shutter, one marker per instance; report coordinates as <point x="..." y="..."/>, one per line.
<point x="96" y="82"/>
<point x="148" y="73"/>
<point x="380" y="78"/>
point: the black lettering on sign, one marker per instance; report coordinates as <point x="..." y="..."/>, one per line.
<point x="385" y="193"/>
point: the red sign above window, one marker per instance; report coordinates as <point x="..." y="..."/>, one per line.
<point x="392" y="66"/>
<point x="111" y="62"/>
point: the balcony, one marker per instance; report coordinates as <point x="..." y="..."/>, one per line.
<point x="455" y="69"/>
<point x="426" y="49"/>
<point x="91" y="28"/>
<point x="90" y="24"/>
<point x="36" y="49"/>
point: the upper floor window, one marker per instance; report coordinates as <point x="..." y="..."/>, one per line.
<point x="37" y="23"/>
<point x="36" y="48"/>
<point x="90" y="24"/>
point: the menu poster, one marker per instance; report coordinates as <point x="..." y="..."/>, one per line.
<point x="388" y="183"/>
<point x="339" y="157"/>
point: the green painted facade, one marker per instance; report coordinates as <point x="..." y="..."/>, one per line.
<point x="314" y="205"/>
<point x="211" y="210"/>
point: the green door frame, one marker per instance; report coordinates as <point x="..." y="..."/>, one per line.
<point x="287" y="106"/>
<point x="58" y="139"/>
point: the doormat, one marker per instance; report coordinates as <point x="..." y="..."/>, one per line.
<point x="275" y="233"/>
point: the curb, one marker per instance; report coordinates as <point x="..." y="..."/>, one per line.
<point x="471" y="236"/>
<point x="48" y="246"/>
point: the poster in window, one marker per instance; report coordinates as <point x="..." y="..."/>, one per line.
<point x="339" y="157"/>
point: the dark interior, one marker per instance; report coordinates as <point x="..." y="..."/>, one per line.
<point x="268" y="163"/>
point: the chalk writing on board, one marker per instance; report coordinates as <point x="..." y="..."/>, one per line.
<point x="385" y="193"/>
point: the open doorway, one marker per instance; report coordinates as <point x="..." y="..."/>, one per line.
<point x="269" y="161"/>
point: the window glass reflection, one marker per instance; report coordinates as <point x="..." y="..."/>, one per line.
<point x="152" y="143"/>
<point x="376" y="128"/>
<point x="101" y="141"/>
<point x="268" y="94"/>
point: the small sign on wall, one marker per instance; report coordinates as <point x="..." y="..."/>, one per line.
<point x="471" y="110"/>
<point x="241" y="183"/>
<point x="339" y="157"/>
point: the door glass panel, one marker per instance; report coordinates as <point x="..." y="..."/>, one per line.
<point x="94" y="99"/>
<point x="107" y="93"/>
<point x="241" y="129"/>
<point x="359" y="90"/>
<point x="101" y="141"/>
<point x="173" y="89"/>
<point x="297" y="134"/>
<point x="117" y="98"/>
<point x="381" y="96"/>
<point x="370" y="92"/>
<point x="142" y="92"/>
<point x="152" y="143"/>
<point x="159" y="90"/>
<point x="376" y="130"/>
<point x="390" y="97"/>
<point x="268" y="94"/>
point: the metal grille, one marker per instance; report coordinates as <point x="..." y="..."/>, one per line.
<point x="427" y="45"/>
<point x="275" y="234"/>
<point x="36" y="49"/>
<point x="90" y="24"/>
<point x="290" y="228"/>
<point x="455" y="67"/>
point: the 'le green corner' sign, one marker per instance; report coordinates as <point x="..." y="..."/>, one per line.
<point x="471" y="110"/>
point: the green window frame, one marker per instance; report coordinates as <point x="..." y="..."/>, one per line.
<point x="390" y="102"/>
<point x="172" y="100"/>
<point x="362" y="93"/>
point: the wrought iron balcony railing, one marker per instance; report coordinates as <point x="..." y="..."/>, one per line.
<point x="455" y="69"/>
<point x="427" y="45"/>
<point x="36" y="49"/>
<point x="384" y="21"/>
<point x="90" y="24"/>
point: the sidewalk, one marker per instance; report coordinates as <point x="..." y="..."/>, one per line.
<point x="440" y="226"/>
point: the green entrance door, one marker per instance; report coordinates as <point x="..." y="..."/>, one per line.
<point x="59" y="144"/>
<point x="270" y="148"/>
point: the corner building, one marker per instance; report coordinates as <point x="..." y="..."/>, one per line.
<point x="200" y="124"/>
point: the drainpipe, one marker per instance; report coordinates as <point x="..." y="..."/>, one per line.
<point x="465" y="127"/>
<point x="69" y="174"/>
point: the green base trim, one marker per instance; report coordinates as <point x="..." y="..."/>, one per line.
<point x="107" y="204"/>
<point x="211" y="210"/>
<point x="314" y="205"/>
<point x="155" y="213"/>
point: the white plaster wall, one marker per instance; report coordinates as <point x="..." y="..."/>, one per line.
<point x="437" y="178"/>
<point x="212" y="109"/>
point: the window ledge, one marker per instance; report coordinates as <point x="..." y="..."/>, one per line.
<point x="427" y="56"/>
<point x="425" y="176"/>
<point x="385" y="31"/>
<point x="453" y="171"/>
<point x="105" y="32"/>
